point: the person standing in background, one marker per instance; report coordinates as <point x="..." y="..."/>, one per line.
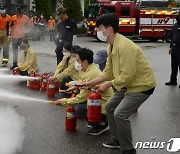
<point x="174" y="51"/>
<point x="4" y="33"/>
<point x="66" y="29"/>
<point x="41" y="25"/>
<point x="35" y="30"/>
<point x="51" y="26"/>
<point x="18" y="31"/>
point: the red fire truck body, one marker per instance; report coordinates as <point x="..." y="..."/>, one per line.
<point x="151" y="23"/>
<point x="94" y="13"/>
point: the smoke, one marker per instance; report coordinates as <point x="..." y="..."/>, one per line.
<point x="11" y="131"/>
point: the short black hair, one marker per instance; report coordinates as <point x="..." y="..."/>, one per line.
<point x="85" y="54"/>
<point x="25" y="41"/>
<point x="2" y="6"/>
<point x="109" y="20"/>
<point x="19" y="7"/>
<point x="75" y="48"/>
<point x="67" y="46"/>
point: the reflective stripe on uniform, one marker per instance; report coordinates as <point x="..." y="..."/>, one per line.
<point x="5" y="59"/>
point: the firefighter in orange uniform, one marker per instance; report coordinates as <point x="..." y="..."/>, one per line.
<point x="18" y="31"/>
<point x="4" y="33"/>
<point x="51" y="26"/>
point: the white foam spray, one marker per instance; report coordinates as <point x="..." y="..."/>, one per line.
<point x="16" y="78"/>
<point x="11" y="131"/>
<point x="11" y="95"/>
<point x="4" y="69"/>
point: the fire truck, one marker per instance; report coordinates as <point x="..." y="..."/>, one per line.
<point x="94" y="13"/>
<point x="145" y="19"/>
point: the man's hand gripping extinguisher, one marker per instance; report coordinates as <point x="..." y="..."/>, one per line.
<point x="16" y="72"/>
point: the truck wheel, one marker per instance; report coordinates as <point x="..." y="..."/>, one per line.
<point x="153" y="39"/>
<point x="168" y="36"/>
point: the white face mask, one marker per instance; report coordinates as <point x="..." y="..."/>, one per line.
<point x="77" y="66"/>
<point x="66" y="54"/>
<point x="101" y="36"/>
<point x="2" y="11"/>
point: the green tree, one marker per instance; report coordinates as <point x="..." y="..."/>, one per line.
<point x="74" y="9"/>
<point x="42" y="7"/>
<point x="86" y="6"/>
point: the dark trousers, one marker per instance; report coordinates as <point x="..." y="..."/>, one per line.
<point x="15" y="44"/>
<point x="51" y="34"/>
<point x="63" y="86"/>
<point x="175" y="62"/>
<point x="23" y="73"/>
<point x="59" y="53"/>
<point x="64" y="81"/>
<point x="81" y="109"/>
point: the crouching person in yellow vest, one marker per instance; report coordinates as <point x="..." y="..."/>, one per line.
<point x="65" y="71"/>
<point x="88" y="71"/>
<point x="27" y="62"/>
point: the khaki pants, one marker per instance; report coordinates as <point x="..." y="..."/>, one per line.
<point x="4" y="43"/>
<point x="118" y="109"/>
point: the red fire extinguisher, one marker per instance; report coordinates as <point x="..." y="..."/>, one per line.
<point x="36" y="83"/>
<point x="44" y="81"/>
<point x="51" y="89"/>
<point x="70" y="122"/>
<point x="57" y="86"/>
<point x="94" y="107"/>
<point x="16" y="72"/>
<point x="30" y="82"/>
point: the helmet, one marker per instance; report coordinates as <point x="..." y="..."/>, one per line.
<point x="61" y="10"/>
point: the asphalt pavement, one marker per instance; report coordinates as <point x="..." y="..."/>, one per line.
<point x="156" y="121"/>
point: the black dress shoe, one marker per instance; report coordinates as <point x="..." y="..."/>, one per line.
<point x="179" y="86"/>
<point x="171" y="83"/>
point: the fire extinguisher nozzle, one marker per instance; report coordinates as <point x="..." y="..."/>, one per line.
<point x="51" y="102"/>
<point x="62" y="91"/>
<point x="68" y="84"/>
